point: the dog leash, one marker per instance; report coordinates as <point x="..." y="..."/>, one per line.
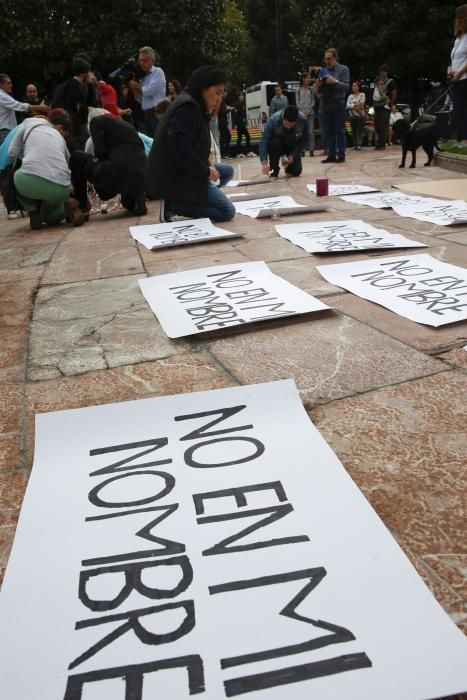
<point x="430" y="107"/>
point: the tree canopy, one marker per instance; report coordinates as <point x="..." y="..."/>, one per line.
<point x="252" y="39"/>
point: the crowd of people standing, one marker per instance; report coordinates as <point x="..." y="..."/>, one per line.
<point x="152" y="139"/>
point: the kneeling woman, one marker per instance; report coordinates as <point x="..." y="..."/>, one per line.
<point x="179" y="170"/>
<point x="43" y="181"/>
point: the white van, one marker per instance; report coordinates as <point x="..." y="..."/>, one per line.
<point x="258" y="99"/>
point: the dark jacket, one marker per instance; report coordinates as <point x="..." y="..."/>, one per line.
<point x="294" y="140"/>
<point x="178" y="162"/>
<point x="122" y="159"/>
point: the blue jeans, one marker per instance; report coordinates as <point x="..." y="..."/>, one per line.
<point x="334" y="128"/>
<point x="218" y="207"/>
<point x="311" y="132"/>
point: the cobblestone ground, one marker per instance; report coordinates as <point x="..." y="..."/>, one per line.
<point x="387" y="394"/>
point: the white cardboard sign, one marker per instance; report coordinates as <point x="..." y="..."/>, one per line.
<point x="196" y="301"/>
<point x="254" y="206"/>
<point x="339" y="190"/>
<point x="211" y="544"/>
<point x="342" y="236"/>
<point x="245" y="183"/>
<point x="382" y="200"/>
<point x="442" y="212"/>
<point x="167" y="235"/>
<point x="418" y="287"/>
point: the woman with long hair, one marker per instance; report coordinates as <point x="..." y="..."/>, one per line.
<point x="356" y="107"/>
<point x="179" y="171"/>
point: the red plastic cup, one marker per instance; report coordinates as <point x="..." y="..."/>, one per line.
<point x="322" y="186"/>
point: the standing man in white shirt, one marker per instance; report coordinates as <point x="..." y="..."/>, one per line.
<point x="8" y="107"/>
<point x="151" y="88"/>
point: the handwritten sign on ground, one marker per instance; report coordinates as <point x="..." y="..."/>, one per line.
<point x="381" y="200"/>
<point x="155" y="236"/>
<point x="211" y="545"/>
<point x="436" y="211"/>
<point x="418" y="287"/>
<point x="196" y="301"/>
<point x="339" y="190"/>
<point x="342" y="236"/>
<point x="246" y="183"/>
<point x="254" y="207"/>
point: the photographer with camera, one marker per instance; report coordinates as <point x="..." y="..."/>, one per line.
<point x="150" y="89"/>
<point x="333" y="86"/>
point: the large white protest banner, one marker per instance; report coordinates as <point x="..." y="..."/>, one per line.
<point x="418" y="287"/>
<point x="442" y="212"/>
<point x="253" y="207"/>
<point x="339" y="190"/>
<point x="211" y="544"/>
<point x="381" y="200"/>
<point x="209" y="298"/>
<point x="167" y="235"/>
<point x="342" y="236"/>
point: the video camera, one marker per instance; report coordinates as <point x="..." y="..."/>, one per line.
<point x="129" y="69"/>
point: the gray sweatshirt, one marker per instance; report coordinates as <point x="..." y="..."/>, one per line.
<point x="45" y="155"/>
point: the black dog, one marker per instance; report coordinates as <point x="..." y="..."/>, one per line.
<point x="423" y="134"/>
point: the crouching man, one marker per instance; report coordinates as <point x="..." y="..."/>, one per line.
<point x="286" y="137"/>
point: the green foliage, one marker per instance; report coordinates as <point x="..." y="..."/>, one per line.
<point x="39" y="37"/>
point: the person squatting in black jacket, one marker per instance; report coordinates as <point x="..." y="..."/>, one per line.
<point x="117" y="166"/>
<point x="179" y="170"/>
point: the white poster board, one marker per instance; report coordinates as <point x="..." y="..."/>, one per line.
<point x="339" y="190"/>
<point x="174" y="233"/>
<point x="246" y="183"/>
<point x="417" y="287"/>
<point x="211" y="544"/>
<point x="196" y="301"/>
<point x="382" y="200"/>
<point x="342" y="236"/>
<point x="253" y="207"/>
<point x="436" y="211"/>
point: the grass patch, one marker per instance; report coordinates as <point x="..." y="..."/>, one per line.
<point x="450" y="147"/>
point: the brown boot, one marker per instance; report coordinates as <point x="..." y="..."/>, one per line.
<point x="73" y="213"/>
<point x="35" y="219"/>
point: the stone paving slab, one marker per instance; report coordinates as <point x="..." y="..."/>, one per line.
<point x="164" y="267"/>
<point x="94" y="325"/>
<point x="16" y="302"/>
<point x="302" y="272"/>
<point x="456" y="358"/>
<point x="185" y="372"/>
<point x="73" y="263"/>
<point x="13" y="340"/>
<point x="328" y="358"/>
<point x="459" y="237"/>
<point x="405" y="447"/>
<point x="417" y="335"/>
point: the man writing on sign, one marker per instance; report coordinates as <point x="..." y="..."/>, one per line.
<point x="286" y="134"/>
<point x="150" y="90"/>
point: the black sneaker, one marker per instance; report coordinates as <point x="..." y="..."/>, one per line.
<point x="166" y="215"/>
<point x="274" y="173"/>
<point x="340" y="160"/>
<point x="329" y="160"/>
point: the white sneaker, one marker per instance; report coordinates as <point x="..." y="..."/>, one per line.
<point x="241" y="155"/>
<point x="14" y="214"/>
<point x="251" y="155"/>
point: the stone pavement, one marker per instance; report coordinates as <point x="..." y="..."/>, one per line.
<point x="387" y="394"/>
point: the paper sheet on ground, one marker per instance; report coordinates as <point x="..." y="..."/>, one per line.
<point x="245" y="183"/>
<point x="417" y="287"/>
<point x="342" y="236"/>
<point x="381" y="200"/>
<point x="253" y="207"/>
<point x="155" y="236"/>
<point x="196" y="301"/>
<point x="211" y="544"/>
<point x="441" y="212"/>
<point x="452" y="189"/>
<point x="339" y="190"/>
